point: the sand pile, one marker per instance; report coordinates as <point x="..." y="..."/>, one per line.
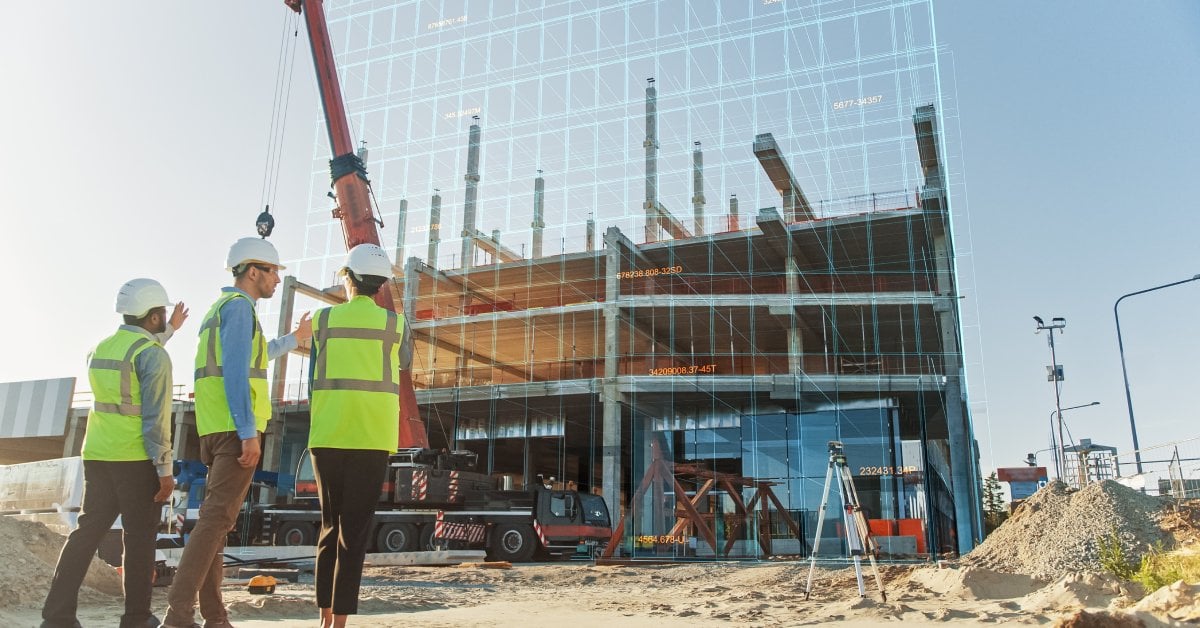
<point x="974" y="583"/>
<point x="28" y="552"/>
<point x="1056" y="532"/>
<point x="1077" y="591"/>
<point x="1179" y="602"/>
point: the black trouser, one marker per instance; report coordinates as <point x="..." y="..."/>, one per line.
<point x="109" y="489"/>
<point x="348" y="483"/>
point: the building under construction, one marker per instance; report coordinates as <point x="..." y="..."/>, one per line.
<point x="672" y="292"/>
<point x="720" y="268"/>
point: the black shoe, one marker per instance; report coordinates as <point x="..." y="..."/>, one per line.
<point x="50" y="624"/>
<point x="149" y="622"/>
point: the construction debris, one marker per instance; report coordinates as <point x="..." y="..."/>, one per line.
<point x="1057" y="531"/>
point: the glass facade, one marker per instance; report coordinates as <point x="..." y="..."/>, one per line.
<point x="665" y="252"/>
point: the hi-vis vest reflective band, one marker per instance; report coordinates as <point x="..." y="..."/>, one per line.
<point x="114" y="425"/>
<point x="356" y="377"/>
<point x="212" y="406"/>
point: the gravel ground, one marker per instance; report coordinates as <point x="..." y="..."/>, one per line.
<point x="1057" y="531"/>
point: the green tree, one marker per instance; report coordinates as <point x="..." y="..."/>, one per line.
<point x="993" y="503"/>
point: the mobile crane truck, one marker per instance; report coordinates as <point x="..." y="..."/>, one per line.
<point x="429" y="498"/>
<point x="435" y="500"/>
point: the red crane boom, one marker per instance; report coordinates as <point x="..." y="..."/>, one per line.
<point x="352" y="189"/>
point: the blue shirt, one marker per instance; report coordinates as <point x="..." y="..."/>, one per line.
<point x="237" y="332"/>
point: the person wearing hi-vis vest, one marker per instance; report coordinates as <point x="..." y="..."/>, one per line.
<point x="233" y="406"/>
<point x="126" y="455"/>
<point x="358" y="350"/>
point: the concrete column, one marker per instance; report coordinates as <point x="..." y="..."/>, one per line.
<point x="591" y="234"/>
<point x="610" y="476"/>
<point x="435" y="228"/>
<point x="651" y="146"/>
<point x="795" y="341"/>
<point x="272" y="442"/>
<point x="411" y="283"/>
<point x="539" y="224"/>
<point x="732" y="220"/>
<point x="962" y="470"/>
<point x="698" y="190"/>
<point x="287" y="303"/>
<point x="272" y="451"/>
<point x="472" y="178"/>
<point x="401" y="230"/>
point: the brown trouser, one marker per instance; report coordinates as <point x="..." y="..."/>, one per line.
<point x="201" y="566"/>
<point x="109" y="489"/>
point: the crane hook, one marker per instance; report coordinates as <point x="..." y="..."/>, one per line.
<point x="265" y="223"/>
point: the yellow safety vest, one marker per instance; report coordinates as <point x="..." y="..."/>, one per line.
<point x="114" y="424"/>
<point x="355" y="382"/>
<point x="212" y="406"/>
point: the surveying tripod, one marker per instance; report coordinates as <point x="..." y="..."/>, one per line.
<point x="858" y="534"/>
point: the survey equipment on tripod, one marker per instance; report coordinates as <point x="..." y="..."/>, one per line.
<point x="858" y="534"/>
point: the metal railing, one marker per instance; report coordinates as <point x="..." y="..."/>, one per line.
<point x="1171" y="468"/>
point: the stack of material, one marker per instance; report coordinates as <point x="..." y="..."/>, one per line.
<point x="1057" y="531"/>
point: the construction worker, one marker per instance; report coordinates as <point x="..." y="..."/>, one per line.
<point x="354" y="388"/>
<point x="232" y="409"/>
<point x="126" y="455"/>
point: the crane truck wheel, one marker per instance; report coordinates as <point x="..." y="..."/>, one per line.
<point x="426" y="544"/>
<point x="295" y="534"/>
<point x="396" y="537"/>
<point x="514" y="543"/>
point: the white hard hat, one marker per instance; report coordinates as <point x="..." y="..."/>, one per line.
<point x="138" y="296"/>
<point x="252" y="250"/>
<point x="369" y="259"/>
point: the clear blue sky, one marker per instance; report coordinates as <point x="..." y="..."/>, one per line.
<point x="134" y="140"/>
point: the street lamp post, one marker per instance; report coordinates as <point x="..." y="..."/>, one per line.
<point x="1057" y="468"/>
<point x="1055" y="376"/>
<point x="1137" y="452"/>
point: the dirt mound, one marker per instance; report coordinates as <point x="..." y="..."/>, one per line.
<point x="974" y="583"/>
<point x="1074" y="591"/>
<point x="1057" y="531"/>
<point x="1100" y="619"/>
<point x="1179" y="602"/>
<point x="28" y="552"/>
<point x="1183" y="522"/>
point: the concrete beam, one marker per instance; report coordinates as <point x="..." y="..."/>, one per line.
<point x="781" y="303"/>
<point x="669" y="222"/>
<point x="333" y="295"/>
<point x="491" y="245"/>
<point x="795" y="205"/>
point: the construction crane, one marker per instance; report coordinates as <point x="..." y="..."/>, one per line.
<point x="352" y="190"/>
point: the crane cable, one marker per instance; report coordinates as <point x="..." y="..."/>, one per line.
<point x="279" y="109"/>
